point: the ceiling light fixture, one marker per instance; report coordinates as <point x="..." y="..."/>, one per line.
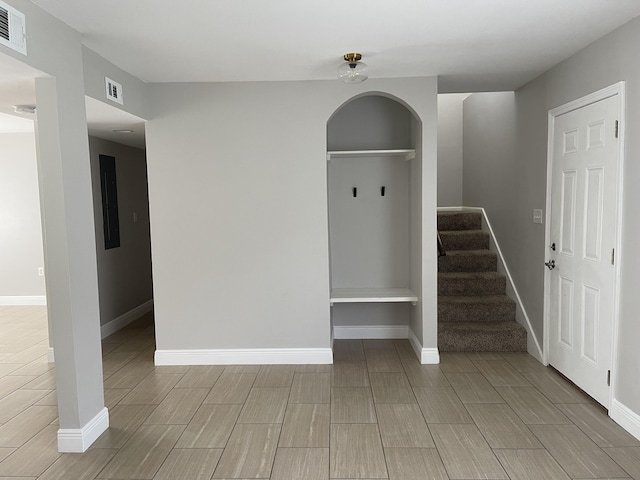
<point x="353" y="70"/>
<point x="24" y="109"/>
<point x="122" y="131"/>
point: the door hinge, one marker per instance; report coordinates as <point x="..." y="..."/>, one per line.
<point x="613" y="256"/>
<point x="617" y="125"/>
<point x="608" y="378"/>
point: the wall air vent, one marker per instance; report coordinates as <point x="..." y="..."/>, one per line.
<point x="12" y="29"/>
<point x="114" y="91"/>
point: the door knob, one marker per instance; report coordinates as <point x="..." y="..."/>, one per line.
<point x="551" y="264"/>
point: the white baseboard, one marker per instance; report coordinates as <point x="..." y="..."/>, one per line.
<point x="625" y="417"/>
<point x="78" y="440"/>
<point x="50" y="355"/>
<point x="370" y="331"/>
<point x="252" y="356"/>
<point x="23" y="300"/>
<point x="427" y="356"/>
<point x="125" y="319"/>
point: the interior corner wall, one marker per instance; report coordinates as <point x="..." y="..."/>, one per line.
<point x="124" y="272"/>
<point x="238" y="206"/>
<point x="450" y="151"/>
<point x="21" y="234"/>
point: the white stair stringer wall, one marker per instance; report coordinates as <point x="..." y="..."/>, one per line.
<point x="533" y="345"/>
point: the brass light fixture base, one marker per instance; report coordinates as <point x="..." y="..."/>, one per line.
<point x="352" y="57"/>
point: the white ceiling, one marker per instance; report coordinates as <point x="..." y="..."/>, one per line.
<point x="103" y="119"/>
<point x="473" y="45"/>
<point x="14" y="124"/>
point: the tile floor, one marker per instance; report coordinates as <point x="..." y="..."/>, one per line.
<point x="376" y="413"/>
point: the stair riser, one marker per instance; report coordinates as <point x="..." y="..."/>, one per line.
<point x="463" y="263"/>
<point x="512" y="341"/>
<point x="465" y="312"/>
<point x="459" y="221"/>
<point x="462" y="286"/>
<point x="456" y="241"/>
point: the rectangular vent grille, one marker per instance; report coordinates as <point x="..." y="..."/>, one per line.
<point x="12" y="28"/>
<point x="114" y="91"/>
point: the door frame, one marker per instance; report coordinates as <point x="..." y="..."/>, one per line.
<point x="607" y="92"/>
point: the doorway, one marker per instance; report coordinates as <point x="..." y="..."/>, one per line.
<point x="583" y="234"/>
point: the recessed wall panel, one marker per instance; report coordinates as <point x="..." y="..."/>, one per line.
<point x="595" y="135"/>
<point x="568" y="217"/>
<point x="570" y="142"/>
<point x="590" y="321"/>
<point x="594" y="184"/>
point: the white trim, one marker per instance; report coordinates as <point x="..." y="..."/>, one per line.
<point x="23" y="300"/>
<point x="78" y="440"/>
<point x="533" y="345"/>
<point x="250" y="356"/>
<point x="125" y="319"/>
<point x="618" y="89"/>
<point x="50" y="355"/>
<point x="427" y="356"/>
<point x="625" y="417"/>
<point x="370" y="331"/>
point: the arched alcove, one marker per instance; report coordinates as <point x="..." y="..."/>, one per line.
<point x="375" y="220"/>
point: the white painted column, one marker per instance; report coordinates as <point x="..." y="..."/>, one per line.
<point x="70" y="259"/>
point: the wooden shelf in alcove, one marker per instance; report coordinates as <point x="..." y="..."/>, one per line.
<point x="372" y="295"/>
<point x="403" y="153"/>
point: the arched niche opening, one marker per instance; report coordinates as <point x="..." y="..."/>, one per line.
<point x="375" y="219"/>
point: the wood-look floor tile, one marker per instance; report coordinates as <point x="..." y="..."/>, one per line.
<point x="531" y="406"/>
<point x="26" y="424"/>
<point x="575" y="452"/>
<point x="424" y="375"/>
<point x="378" y="344"/>
<point x="473" y="356"/>
<point x="473" y="388"/>
<point x="231" y="388"/>
<point x="306" y="425"/>
<point x="210" y="427"/>
<point x="11" y="383"/>
<point x="465" y="453"/>
<point x="313" y="368"/>
<point x="124" y="420"/>
<point x="201" y="376"/>
<point x="249" y="452"/>
<point x="441" y="405"/>
<point x="112" y="396"/>
<point x="594" y="421"/>
<point x="242" y="369"/>
<point x="383" y="360"/>
<point x="143" y="454"/>
<point x="414" y="464"/>
<point x="78" y="467"/>
<point x="556" y="388"/>
<point x="129" y="376"/>
<point x="275" y="376"/>
<point x="391" y="388"/>
<point x="628" y="458"/>
<point x="456" y="362"/>
<point x="5" y="452"/>
<point x="301" y="463"/>
<point x="311" y="388"/>
<point x="178" y="407"/>
<point x="189" y="464"/>
<point x="352" y="405"/>
<point x="500" y="373"/>
<point x="350" y="374"/>
<point x="7" y="368"/>
<point x="17" y="402"/>
<point x="501" y="427"/>
<point x="348" y="351"/>
<point x="403" y="426"/>
<point x="114" y="361"/>
<point x="34" y="457"/>
<point x="530" y="465"/>
<point x="404" y="349"/>
<point x="51" y="399"/>
<point x="356" y="452"/>
<point x="152" y="390"/>
<point x="523" y="362"/>
<point x="33" y="368"/>
<point x="265" y="405"/>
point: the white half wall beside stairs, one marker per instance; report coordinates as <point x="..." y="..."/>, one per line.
<point x="533" y="345"/>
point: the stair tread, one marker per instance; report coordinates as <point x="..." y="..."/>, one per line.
<point x="479" y="253"/>
<point x="484" y="299"/>
<point x="481" y="327"/>
<point x="463" y="232"/>
<point x="470" y="275"/>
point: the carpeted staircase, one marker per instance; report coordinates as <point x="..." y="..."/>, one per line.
<point x="474" y="314"/>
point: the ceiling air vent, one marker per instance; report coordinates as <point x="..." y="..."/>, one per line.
<point x="12" y="28"/>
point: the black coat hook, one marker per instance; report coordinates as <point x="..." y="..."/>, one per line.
<point x="355" y="192"/>
<point x="382" y="189"/>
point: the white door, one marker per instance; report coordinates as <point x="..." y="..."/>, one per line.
<point x="583" y="229"/>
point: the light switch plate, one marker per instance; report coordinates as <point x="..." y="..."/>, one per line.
<point x="537" y="215"/>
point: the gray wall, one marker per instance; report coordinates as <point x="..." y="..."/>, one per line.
<point x="607" y="61"/>
<point x="238" y="204"/>
<point x="21" y="233"/>
<point x="450" y="149"/>
<point x="124" y="273"/>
